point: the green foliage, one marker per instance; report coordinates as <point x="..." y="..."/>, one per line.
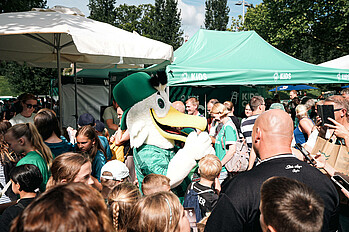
<point x="313" y="31"/>
<point x="20" y="5"/>
<point x="102" y="10"/>
<point x="236" y="24"/>
<point x="135" y="18"/>
<point x="5" y="88"/>
<point x="167" y="23"/>
<point x="216" y="15"/>
<point x="27" y="79"/>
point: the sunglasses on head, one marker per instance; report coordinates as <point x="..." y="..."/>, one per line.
<point x="29" y="106"/>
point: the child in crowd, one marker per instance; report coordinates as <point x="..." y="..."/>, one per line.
<point x="8" y="160"/>
<point x="121" y="200"/>
<point x="71" y="167"/>
<point x="288" y="205"/>
<point x="159" y="211"/>
<point x="89" y="144"/>
<point x="208" y="187"/>
<point x="65" y="207"/>
<point x="101" y="130"/>
<point x="112" y="173"/>
<point x="48" y="126"/>
<point x="25" y="139"/>
<point x="26" y="180"/>
<point x="153" y="183"/>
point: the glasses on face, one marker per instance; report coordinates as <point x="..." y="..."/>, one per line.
<point x="29" y="106"/>
<point x="337" y="109"/>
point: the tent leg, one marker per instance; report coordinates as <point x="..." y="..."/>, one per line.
<point x="58" y="48"/>
<point x="76" y="97"/>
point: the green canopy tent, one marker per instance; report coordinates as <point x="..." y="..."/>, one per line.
<point x="242" y="58"/>
<point x="221" y="58"/>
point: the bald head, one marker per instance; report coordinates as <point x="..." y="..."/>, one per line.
<point x="178" y="105"/>
<point x="272" y="133"/>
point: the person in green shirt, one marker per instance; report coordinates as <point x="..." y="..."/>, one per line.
<point x="225" y="144"/>
<point x="25" y="139"/>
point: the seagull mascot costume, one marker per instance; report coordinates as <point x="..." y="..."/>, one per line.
<point x="154" y="125"/>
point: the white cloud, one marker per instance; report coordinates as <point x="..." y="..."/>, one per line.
<point x="192" y="17"/>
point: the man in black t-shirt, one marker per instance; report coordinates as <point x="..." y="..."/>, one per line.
<point x="237" y="208"/>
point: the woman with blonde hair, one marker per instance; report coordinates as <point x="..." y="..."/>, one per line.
<point x="65" y="207"/>
<point x="121" y="200"/>
<point x="225" y="145"/>
<point x="159" y="212"/>
<point x="70" y="167"/>
<point x="305" y="125"/>
<point x="25" y="139"/>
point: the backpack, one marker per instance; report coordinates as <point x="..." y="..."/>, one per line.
<point x="239" y="162"/>
<point x="191" y="200"/>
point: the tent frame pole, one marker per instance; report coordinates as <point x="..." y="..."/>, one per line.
<point x="58" y="49"/>
<point x="76" y="96"/>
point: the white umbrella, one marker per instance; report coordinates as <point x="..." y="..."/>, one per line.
<point x="54" y="39"/>
<point x="341" y="62"/>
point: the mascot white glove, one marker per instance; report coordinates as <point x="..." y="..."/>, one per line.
<point x="196" y="147"/>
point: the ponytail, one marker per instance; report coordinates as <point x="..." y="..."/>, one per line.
<point x="38" y="143"/>
<point x="115" y="210"/>
<point x="29" y="131"/>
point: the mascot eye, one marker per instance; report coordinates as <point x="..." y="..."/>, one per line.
<point x="161" y="102"/>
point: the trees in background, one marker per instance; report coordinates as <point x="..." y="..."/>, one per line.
<point x="102" y="10"/>
<point x="216" y="15"/>
<point x="20" y="5"/>
<point x="161" y="21"/>
<point x="312" y="31"/>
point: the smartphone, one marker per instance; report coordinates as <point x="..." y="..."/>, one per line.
<point x="306" y="154"/>
<point x="340" y="181"/>
<point x="325" y="112"/>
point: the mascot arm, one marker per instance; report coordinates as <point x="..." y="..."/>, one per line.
<point x="196" y="147"/>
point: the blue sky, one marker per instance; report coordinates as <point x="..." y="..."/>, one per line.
<point x="192" y="11"/>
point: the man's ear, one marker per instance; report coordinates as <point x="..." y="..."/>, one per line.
<point x="257" y="134"/>
<point x="271" y="229"/>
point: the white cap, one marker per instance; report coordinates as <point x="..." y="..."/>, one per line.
<point x="117" y="168"/>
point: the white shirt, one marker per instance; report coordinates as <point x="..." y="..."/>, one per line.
<point x="21" y="119"/>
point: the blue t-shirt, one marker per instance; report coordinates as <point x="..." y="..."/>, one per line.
<point x="61" y="147"/>
<point x="97" y="165"/>
<point x="226" y="136"/>
<point x="105" y="144"/>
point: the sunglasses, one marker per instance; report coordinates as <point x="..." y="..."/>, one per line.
<point x="29" y="106"/>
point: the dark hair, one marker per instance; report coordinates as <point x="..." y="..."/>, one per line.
<point x="290" y="206"/>
<point x="91" y="133"/>
<point x="47" y="123"/>
<point x="26" y="96"/>
<point x="255" y="102"/>
<point x="65" y="207"/>
<point x="28" y="176"/>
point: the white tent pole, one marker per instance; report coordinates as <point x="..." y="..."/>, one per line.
<point x="76" y="96"/>
<point x="58" y="48"/>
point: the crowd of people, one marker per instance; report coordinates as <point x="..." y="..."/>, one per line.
<point x="80" y="180"/>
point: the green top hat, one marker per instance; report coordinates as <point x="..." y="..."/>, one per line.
<point x="131" y="90"/>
